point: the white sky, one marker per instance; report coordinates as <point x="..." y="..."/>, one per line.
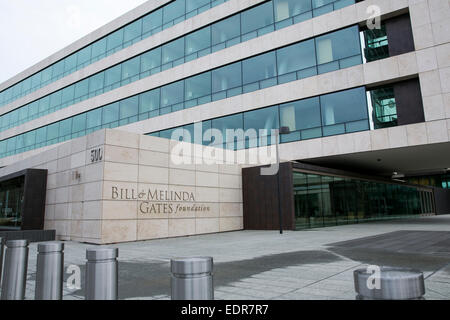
<point x="32" y="30"/>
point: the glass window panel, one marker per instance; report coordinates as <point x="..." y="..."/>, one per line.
<point x="41" y="135"/>
<point x="84" y="55"/>
<point x="113" y="75"/>
<point x="132" y="31"/>
<point x="344" y="106"/>
<point x="321" y="3"/>
<point x="151" y="59"/>
<point x="259" y="68"/>
<point x="29" y="138"/>
<point x="129" y="107"/>
<point x="44" y="104"/>
<point x="174" y="10"/>
<point x="300" y="115"/>
<point x="11" y="146"/>
<point x="35" y="80"/>
<point x="330" y="47"/>
<point x="33" y="108"/>
<point x="99" y="48"/>
<point x="58" y="68"/>
<point x="79" y="123"/>
<point x="5" y="120"/>
<point x="110" y="113"/>
<point x="172" y="94"/>
<point x="232" y="122"/>
<point x="65" y="127"/>
<point x="26" y="85"/>
<point x="296" y="57"/>
<point x="94" y="118"/>
<point x="46" y="74"/>
<point x="173" y="51"/>
<point x="14" y="116"/>
<point x="288" y="8"/>
<point x="68" y="94"/>
<point x="227" y="29"/>
<point x="52" y="131"/>
<point x="257" y="17"/>
<point x="96" y="82"/>
<point x="23" y="113"/>
<point x="266" y="118"/>
<point x="70" y="62"/>
<point x="81" y="88"/>
<point x="227" y="77"/>
<point x="198" y="40"/>
<point x="131" y="68"/>
<point x="198" y="86"/>
<point x="152" y="21"/>
<point x="115" y="39"/>
<point x="149" y="101"/>
<point x="195" y="4"/>
<point x="55" y="99"/>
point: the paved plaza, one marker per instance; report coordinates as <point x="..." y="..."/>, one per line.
<point x="300" y="265"/>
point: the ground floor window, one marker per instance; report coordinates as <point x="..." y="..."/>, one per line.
<point x="11" y="198"/>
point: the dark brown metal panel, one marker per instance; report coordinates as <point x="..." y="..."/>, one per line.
<point x="400" y="36"/>
<point x="260" y="195"/>
<point x="442" y="201"/>
<point x="409" y="103"/>
<point x="33" y="207"/>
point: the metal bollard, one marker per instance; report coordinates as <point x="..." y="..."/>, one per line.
<point x="192" y="278"/>
<point x="395" y="284"/>
<point x="102" y="274"/>
<point x="15" y="272"/>
<point x="1" y="258"/>
<point x="49" y="271"/>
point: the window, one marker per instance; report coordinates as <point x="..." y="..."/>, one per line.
<point x="173" y="51"/>
<point x="96" y="82"/>
<point x="68" y="94"/>
<point x="44" y="104"/>
<point x="198" y="40"/>
<point x="152" y="21"/>
<point x="331" y="47"/>
<point x="174" y="10"/>
<point x="52" y="131"/>
<point x="172" y="94"/>
<point x="94" y="118"/>
<point x="131" y="68"/>
<point x="384" y="107"/>
<point x="226" y="77"/>
<point x="257" y="18"/>
<point x="151" y="59"/>
<point x="321" y="3"/>
<point x="376" y="44"/>
<point x="84" y="55"/>
<point x="288" y="8"/>
<point x="110" y="113"/>
<point x="35" y="80"/>
<point x="149" y="101"/>
<point x="226" y="30"/>
<point x="33" y="109"/>
<point x="79" y="123"/>
<point x="65" y="127"/>
<point x="23" y="113"/>
<point x="113" y="75"/>
<point x="29" y="138"/>
<point x="263" y="121"/>
<point x="132" y="31"/>
<point x="46" y="74"/>
<point x="232" y="122"/>
<point x="300" y="115"/>
<point x="259" y="68"/>
<point x="195" y="4"/>
<point x="58" y="69"/>
<point x="296" y="57"/>
<point x="198" y="86"/>
<point x="129" y="107"/>
<point x="344" y="106"/>
<point x="70" y="63"/>
<point x="41" y="135"/>
<point x="81" y="88"/>
<point x="55" y="99"/>
<point x="115" y="39"/>
<point x="99" y="48"/>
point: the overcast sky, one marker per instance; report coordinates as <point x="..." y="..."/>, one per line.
<point x="32" y="30"/>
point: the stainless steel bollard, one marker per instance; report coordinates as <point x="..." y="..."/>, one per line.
<point x="192" y="278"/>
<point x="15" y="271"/>
<point x="395" y="284"/>
<point x="1" y="258"/>
<point x="49" y="271"/>
<point x="102" y="274"/>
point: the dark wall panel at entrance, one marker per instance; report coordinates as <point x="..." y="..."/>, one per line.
<point x="409" y="102"/>
<point x="260" y="195"/>
<point x="34" y="200"/>
<point x="442" y="201"/>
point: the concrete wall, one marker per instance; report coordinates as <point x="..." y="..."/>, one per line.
<point x="94" y="196"/>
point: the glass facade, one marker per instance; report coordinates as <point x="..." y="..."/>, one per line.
<point x="376" y="44"/>
<point x="152" y="23"/>
<point x="384" y="107"/>
<point x="324" y="200"/>
<point x="209" y="86"/>
<point x="11" y="199"/>
<point x="330" y="114"/>
<point x="438" y="181"/>
<point x="301" y="59"/>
